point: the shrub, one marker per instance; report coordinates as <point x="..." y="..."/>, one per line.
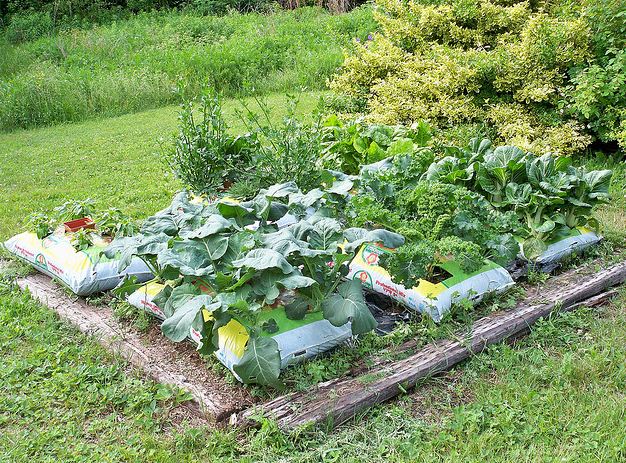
<point x="224" y="6"/>
<point x="504" y="64"/>
<point x="209" y="160"/>
<point x="28" y="26"/>
<point x="598" y="96"/>
<point x="287" y="151"/>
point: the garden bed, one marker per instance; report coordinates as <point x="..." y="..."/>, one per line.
<point x="338" y="400"/>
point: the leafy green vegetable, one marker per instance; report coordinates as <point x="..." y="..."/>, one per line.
<point x="348" y="305"/>
<point x="260" y="362"/>
<point x="233" y="259"/>
<point x="349" y="146"/>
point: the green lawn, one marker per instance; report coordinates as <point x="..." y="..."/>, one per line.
<point x="557" y="395"/>
<point x="115" y="161"/>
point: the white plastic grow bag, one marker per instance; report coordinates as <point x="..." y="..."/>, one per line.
<point x="434" y="299"/>
<point x="578" y="240"/>
<point x="297" y="339"/>
<point x="84" y="272"/>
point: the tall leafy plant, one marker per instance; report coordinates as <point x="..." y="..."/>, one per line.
<point x="204" y="155"/>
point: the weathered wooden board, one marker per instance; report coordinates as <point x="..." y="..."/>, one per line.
<point x="337" y="401"/>
<point x="177" y="365"/>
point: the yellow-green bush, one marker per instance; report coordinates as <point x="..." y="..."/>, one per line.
<point x="501" y="64"/>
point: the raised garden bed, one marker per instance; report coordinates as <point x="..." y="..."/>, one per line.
<point x="334" y="402"/>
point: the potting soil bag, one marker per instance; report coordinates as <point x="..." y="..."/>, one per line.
<point x="84" y="272"/>
<point x="297" y="339"/>
<point x="435" y="299"/>
<point x="577" y="240"/>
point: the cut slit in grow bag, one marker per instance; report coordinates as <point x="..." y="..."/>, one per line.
<point x="84" y="272"/>
<point x="432" y="298"/>
<point x="297" y="339"/>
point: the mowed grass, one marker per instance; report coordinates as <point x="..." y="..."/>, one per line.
<point x="115" y="161"/>
<point x="556" y="395"/>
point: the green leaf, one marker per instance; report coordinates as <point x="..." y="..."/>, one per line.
<point x="533" y="248"/>
<point x="341" y="187"/>
<point x="348" y="305"/>
<point x="215" y="245"/>
<point x="267" y="283"/>
<point x="283" y="242"/>
<point x="296" y="280"/>
<point x="422" y="133"/>
<point x="400" y="147"/>
<point x="261" y="259"/>
<point x="546" y="227"/>
<point x="518" y="195"/>
<point x="598" y="183"/>
<point x="191" y="257"/>
<point x="508" y="157"/>
<point x="355" y="237"/>
<point x="270" y="326"/>
<point x="160" y="300"/>
<point x="375" y="153"/>
<point x="297" y="309"/>
<point x="360" y="144"/>
<point x="178" y="297"/>
<point x="480" y="147"/>
<point x="233" y="209"/>
<point x="189" y="315"/>
<point x="326" y="234"/>
<point x="282" y="190"/>
<point x="540" y="169"/>
<point x="126" y="248"/>
<point x="213" y="225"/>
<point x="503" y="249"/>
<point x="306" y="200"/>
<point x="260" y="362"/>
<point x="160" y="223"/>
<point x="127" y="286"/>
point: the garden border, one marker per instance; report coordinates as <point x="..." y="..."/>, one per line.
<point x="162" y="361"/>
<point x="333" y="402"/>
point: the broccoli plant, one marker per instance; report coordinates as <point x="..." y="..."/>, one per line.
<point x="229" y="260"/>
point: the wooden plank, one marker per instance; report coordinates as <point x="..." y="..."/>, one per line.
<point x="337" y="401"/>
<point x="177" y="365"/>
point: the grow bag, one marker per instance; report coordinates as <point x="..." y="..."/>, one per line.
<point x="297" y="339"/>
<point x="576" y="240"/>
<point x="433" y="298"/>
<point x="84" y="272"/>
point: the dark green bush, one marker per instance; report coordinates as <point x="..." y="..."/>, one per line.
<point x="205" y="156"/>
<point x="27" y="26"/>
<point x="224" y="6"/>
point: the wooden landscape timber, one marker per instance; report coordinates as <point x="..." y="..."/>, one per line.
<point x="176" y="365"/>
<point x="334" y="402"/>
